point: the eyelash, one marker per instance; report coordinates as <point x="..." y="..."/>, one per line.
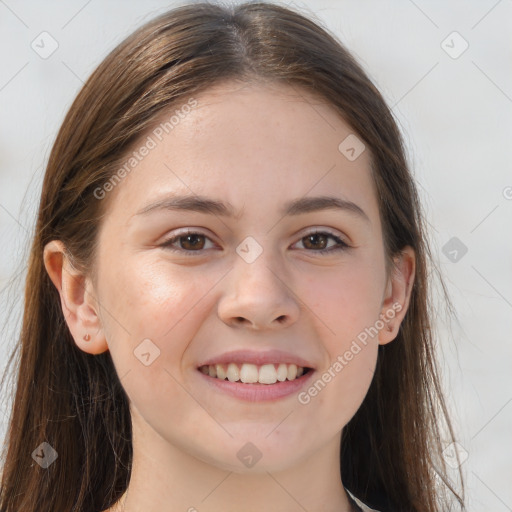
<point x="341" y="244"/>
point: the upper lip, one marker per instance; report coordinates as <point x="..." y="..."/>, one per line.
<point x="257" y="358"/>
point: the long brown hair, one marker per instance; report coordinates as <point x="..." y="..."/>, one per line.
<point x="391" y="452"/>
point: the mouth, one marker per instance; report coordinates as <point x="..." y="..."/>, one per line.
<point x="248" y="373"/>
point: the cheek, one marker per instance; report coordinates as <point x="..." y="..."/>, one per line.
<point x="353" y="381"/>
<point x="346" y="299"/>
<point x="339" y="389"/>
<point x="346" y="303"/>
<point x="154" y="311"/>
<point x="152" y="299"/>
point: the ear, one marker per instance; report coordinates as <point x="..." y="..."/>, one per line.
<point x="397" y="294"/>
<point x="77" y="299"/>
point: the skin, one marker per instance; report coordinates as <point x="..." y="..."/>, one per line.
<point x="256" y="146"/>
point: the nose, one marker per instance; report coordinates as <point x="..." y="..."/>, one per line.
<point x="258" y="296"/>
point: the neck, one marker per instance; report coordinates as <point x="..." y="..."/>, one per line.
<point x="167" y="478"/>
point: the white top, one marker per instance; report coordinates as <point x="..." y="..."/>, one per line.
<point x="363" y="507"/>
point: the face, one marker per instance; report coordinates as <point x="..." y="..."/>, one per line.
<point x="179" y="287"/>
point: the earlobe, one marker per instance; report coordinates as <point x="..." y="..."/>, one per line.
<point x="77" y="299"/>
<point x="397" y="294"/>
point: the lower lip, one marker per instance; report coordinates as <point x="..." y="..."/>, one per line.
<point x="258" y="392"/>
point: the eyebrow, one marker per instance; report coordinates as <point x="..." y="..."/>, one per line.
<point x="207" y="205"/>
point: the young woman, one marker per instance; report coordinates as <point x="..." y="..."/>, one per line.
<point x="227" y="304"/>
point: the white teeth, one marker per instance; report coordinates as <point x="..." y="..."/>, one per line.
<point x="282" y="372"/>
<point x="292" y="371"/>
<point x="268" y="374"/>
<point x="221" y="374"/>
<point x="250" y="373"/>
<point x="233" y="372"/>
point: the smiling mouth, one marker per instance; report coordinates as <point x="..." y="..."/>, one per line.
<point x="248" y="373"/>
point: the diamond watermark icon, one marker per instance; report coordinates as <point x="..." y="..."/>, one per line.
<point x="249" y="250"/>
<point x="450" y="455"/>
<point x="44" y="45"/>
<point x="146" y="352"/>
<point x="249" y="455"/>
<point x="351" y="147"/>
<point x="454" y="249"/>
<point x="454" y="45"/>
<point x="45" y="455"/>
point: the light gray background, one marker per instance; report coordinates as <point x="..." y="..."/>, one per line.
<point x="456" y="114"/>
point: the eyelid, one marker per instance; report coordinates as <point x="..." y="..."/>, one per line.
<point x="321" y="229"/>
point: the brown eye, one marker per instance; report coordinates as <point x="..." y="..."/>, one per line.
<point x="191" y="242"/>
<point x="188" y="242"/>
<point x="318" y="242"/>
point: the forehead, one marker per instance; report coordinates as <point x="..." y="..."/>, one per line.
<point x="246" y="143"/>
